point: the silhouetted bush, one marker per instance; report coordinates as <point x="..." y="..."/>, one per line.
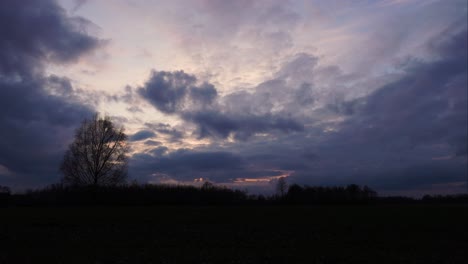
<point x="455" y="199"/>
<point x="398" y="200"/>
<point x="4" y="195"/>
<point x="329" y="195"/>
<point x="146" y="194"/>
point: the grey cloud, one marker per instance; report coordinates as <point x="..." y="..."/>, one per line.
<point x="63" y="87"/>
<point x="273" y="98"/>
<point x="215" y="124"/>
<point x="391" y="138"/>
<point x="204" y="95"/>
<point x="202" y="161"/>
<point x="166" y="90"/>
<point x="171" y="92"/>
<point x="427" y="106"/>
<point x="229" y="17"/>
<point x="419" y="176"/>
<point x="348" y="108"/>
<point x="33" y="33"/>
<point x="141" y="135"/>
<point x="405" y="135"/>
<point x="415" y="177"/>
<point x="187" y="165"/>
<point x="166" y="129"/>
<point x="241" y="116"/>
<point x="153" y="143"/>
<point x="60" y="85"/>
<point x="128" y="96"/>
<point x="134" y="109"/>
<point x="38" y="113"/>
<point x="159" y="151"/>
<point x="35" y="128"/>
<point x="299" y="67"/>
<point x="253" y="159"/>
<point x="78" y="4"/>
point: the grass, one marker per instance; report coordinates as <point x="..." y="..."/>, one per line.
<point x="352" y="234"/>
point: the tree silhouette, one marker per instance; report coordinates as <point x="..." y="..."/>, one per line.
<point x="281" y="186"/>
<point x="208" y="186"/>
<point x="98" y="155"/>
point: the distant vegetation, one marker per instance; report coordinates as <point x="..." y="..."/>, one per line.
<point x="207" y="194"/>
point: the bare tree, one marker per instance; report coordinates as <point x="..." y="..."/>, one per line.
<point x="281" y="186"/>
<point x="98" y="155"/>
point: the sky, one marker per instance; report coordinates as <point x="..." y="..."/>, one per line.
<point x="240" y="93"/>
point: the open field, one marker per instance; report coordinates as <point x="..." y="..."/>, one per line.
<point x="352" y="234"/>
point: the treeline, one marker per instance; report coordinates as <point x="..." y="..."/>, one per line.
<point x="328" y="195"/>
<point x="207" y="194"/>
<point x="145" y="194"/>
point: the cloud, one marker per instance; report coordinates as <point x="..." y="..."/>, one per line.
<point x="388" y="138"/>
<point x="186" y="165"/>
<point x="78" y="4"/>
<point x="204" y="94"/>
<point x="413" y="179"/>
<point x="426" y="106"/>
<point x="391" y="138"/>
<point x="177" y="93"/>
<point x="153" y="143"/>
<point x="172" y="92"/>
<point x="34" y="33"/>
<point x="141" y="135"/>
<point x="274" y="90"/>
<point x="167" y="130"/>
<point x="38" y="113"/>
<point x="419" y="176"/>
<point x="242" y="127"/>
<point x="352" y="128"/>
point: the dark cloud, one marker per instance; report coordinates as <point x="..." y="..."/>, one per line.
<point x="202" y="161"/>
<point x="38" y="113"/>
<point x="62" y="87"/>
<point x="172" y="92"/>
<point x="204" y="94"/>
<point x="159" y="151"/>
<point x="426" y="106"/>
<point x="242" y="127"/>
<point x="177" y="93"/>
<point x="415" y="179"/>
<point x="141" y="135"/>
<point x="187" y="165"/>
<point x="406" y="135"/>
<point x="33" y="33"/>
<point x="153" y="143"/>
<point x="166" y="129"/>
<point x="403" y="130"/>
<point x="418" y="176"/>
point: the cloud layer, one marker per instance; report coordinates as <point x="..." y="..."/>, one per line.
<point x="408" y="133"/>
<point x="322" y="92"/>
<point x="36" y="124"/>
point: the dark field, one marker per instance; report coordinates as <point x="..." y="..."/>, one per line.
<point x="353" y="234"/>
